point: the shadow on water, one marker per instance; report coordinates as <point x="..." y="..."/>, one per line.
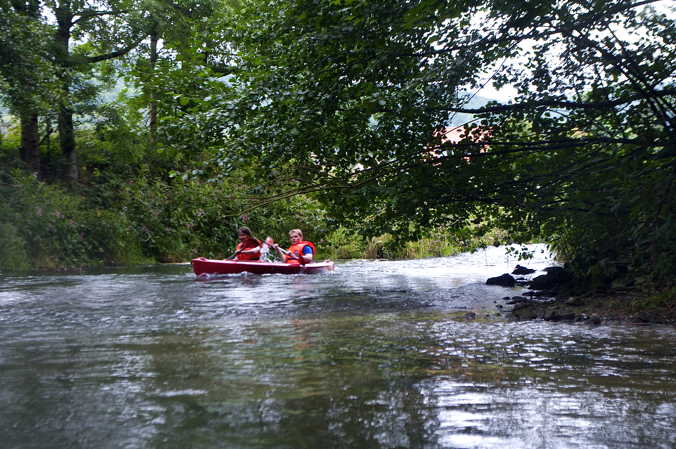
<point x="375" y="355"/>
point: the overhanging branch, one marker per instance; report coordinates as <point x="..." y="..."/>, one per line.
<point x="79" y="59"/>
<point x="560" y="104"/>
<point x="90" y="14"/>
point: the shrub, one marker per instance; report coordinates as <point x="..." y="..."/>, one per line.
<point x="343" y="244"/>
<point x="57" y="229"/>
<point x="13" y="254"/>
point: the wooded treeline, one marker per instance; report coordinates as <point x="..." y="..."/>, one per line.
<point x="344" y="106"/>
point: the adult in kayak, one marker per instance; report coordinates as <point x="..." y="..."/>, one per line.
<point x="300" y="252"/>
<point x="249" y="247"/>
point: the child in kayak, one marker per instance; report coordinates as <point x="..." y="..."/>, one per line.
<point x="266" y="256"/>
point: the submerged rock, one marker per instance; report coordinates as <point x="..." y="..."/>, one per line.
<point x="540" y="294"/>
<point x="557" y="315"/>
<point x="575" y="301"/>
<point x="469" y="316"/>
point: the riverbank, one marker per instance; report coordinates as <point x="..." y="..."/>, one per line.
<point x="617" y="305"/>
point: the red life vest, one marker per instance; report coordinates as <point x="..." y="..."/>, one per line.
<point x="248" y="244"/>
<point x="297" y="250"/>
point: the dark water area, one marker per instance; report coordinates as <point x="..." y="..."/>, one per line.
<point x="378" y="354"/>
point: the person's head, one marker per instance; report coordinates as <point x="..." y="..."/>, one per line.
<point x="244" y="233"/>
<point x="295" y="235"/>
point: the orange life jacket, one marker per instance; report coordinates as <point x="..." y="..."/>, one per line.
<point x="297" y="250"/>
<point x="248" y="244"/>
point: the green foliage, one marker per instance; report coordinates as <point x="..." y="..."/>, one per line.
<point x="130" y="221"/>
<point x="343" y="244"/>
<point x="352" y="98"/>
<point x="186" y="218"/>
<point x="114" y="145"/>
<point x="13" y="254"/>
<point x="28" y="77"/>
<point x="379" y="247"/>
<point x="47" y="228"/>
<point x="179" y="220"/>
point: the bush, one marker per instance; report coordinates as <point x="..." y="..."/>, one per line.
<point x="13" y="254"/>
<point x="343" y="244"/>
<point x="57" y="229"/>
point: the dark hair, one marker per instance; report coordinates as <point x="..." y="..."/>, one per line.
<point x="244" y="230"/>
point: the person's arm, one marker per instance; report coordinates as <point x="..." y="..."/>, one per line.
<point x="307" y="254"/>
<point x="250" y="250"/>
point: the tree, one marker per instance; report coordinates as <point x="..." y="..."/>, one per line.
<point x="27" y="75"/>
<point x="174" y="74"/>
<point x="41" y="72"/>
<point x="105" y="30"/>
<point x="178" y="34"/>
<point x="349" y="98"/>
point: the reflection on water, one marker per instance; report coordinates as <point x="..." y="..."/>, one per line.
<point x="375" y="355"/>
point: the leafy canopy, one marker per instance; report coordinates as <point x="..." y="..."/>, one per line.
<point x="352" y="99"/>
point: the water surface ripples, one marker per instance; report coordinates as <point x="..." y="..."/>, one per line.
<point x="378" y="354"/>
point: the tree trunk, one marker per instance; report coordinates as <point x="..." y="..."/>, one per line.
<point x="152" y="107"/>
<point x="30" y="135"/>
<point x="30" y="146"/>
<point x="67" y="143"/>
<point x="64" y="19"/>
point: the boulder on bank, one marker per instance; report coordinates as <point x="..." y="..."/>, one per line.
<point x="555" y="277"/>
<point x="504" y="280"/>
<point x="519" y="270"/>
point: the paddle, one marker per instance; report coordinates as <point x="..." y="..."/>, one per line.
<point x="232" y="256"/>
<point x="289" y="253"/>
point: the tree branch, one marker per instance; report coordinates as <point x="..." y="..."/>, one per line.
<point x="78" y="59"/>
<point x="505" y="37"/>
<point x="86" y="15"/>
<point x="560" y="104"/>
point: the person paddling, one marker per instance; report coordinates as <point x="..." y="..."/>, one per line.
<point x="300" y="252"/>
<point x="249" y="247"/>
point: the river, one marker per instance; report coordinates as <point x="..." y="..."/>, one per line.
<point x="378" y="354"/>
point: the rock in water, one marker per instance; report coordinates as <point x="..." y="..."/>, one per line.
<point x="504" y="280"/>
<point x="522" y="270"/>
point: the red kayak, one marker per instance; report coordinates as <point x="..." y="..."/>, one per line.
<point x="202" y="265"/>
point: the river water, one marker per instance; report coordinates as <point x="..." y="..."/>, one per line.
<point x="378" y="354"/>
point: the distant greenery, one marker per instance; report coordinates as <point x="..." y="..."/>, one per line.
<point x="435" y="242"/>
